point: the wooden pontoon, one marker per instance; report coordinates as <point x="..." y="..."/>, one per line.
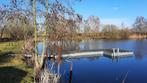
<point x="114" y="52"/>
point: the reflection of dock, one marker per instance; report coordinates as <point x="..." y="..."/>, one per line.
<point x="114" y="52"/>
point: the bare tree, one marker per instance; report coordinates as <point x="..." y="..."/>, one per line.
<point x="110" y="31"/>
<point x="59" y="20"/>
<point x="16" y="19"/>
<point x="94" y="23"/>
<point x="140" y="24"/>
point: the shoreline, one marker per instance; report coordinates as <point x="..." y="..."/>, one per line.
<point x="89" y="38"/>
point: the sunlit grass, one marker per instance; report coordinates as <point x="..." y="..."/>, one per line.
<point x="14" y="46"/>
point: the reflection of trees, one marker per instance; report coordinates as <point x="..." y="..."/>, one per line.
<point x="89" y="44"/>
<point x="67" y="45"/>
<point x="86" y="44"/>
<point x="70" y="45"/>
<point x="93" y="58"/>
<point x="139" y="49"/>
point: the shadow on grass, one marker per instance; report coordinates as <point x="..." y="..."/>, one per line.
<point x="5" y="57"/>
<point x="7" y="39"/>
<point x="11" y="75"/>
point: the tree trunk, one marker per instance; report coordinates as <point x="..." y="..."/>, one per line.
<point x="59" y="50"/>
<point x="2" y="32"/>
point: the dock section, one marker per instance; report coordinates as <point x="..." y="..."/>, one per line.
<point x="82" y="54"/>
<point x="114" y="52"/>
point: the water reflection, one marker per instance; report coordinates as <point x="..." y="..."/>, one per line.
<point x="104" y="69"/>
<point x="117" y="58"/>
<point x="70" y="68"/>
<point x="139" y="47"/>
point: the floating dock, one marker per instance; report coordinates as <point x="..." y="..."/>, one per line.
<point x="114" y="52"/>
<point x="83" y="54"/>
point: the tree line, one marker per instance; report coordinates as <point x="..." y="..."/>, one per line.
<point x="16" y="22"/>
<point x="94" y="29"/>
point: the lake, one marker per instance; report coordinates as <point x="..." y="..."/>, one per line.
<point x="103" y="69"/>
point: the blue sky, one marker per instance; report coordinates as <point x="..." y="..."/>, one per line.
<point x="110" y="11"/>
<point x="113" y="11"/>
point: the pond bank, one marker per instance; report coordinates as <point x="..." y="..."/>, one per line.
<point x="89" y="37"/>
<point x="13" y="69"/>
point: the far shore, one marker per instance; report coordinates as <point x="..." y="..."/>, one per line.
<point x="82" y="37"/>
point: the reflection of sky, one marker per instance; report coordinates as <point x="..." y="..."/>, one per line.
<point x="103" y="70"/>
<point x="138" y="46"/>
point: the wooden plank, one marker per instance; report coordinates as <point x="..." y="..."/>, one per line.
<point x="82" y="54"/>
<point x="108" y="52"/>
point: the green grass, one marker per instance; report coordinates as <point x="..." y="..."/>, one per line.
<point x="12" y="68"/>
<point x="14" y="46"/>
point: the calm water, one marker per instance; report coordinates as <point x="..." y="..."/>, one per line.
<point x="106" y="70"/>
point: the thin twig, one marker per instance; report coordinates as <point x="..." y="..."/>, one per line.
<point x="123" y="81"/>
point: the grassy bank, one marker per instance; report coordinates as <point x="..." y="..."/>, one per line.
<point x="12" y="68"/>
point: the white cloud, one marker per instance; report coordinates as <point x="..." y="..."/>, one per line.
<point x="117" y="21"/>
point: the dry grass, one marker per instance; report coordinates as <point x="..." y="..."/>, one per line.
<point x="49" y="77"/>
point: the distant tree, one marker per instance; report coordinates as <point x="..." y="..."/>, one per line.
<point x="93" y="23"/>
<point x="87" y="28"/>
<point x="2" y="22"/>
<point x="110" y="31"/>
<point x="140" y="24"/>
<point x="19" y="26"/>
<point x="16" y="19"/>
<point x="125" y="31"/>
